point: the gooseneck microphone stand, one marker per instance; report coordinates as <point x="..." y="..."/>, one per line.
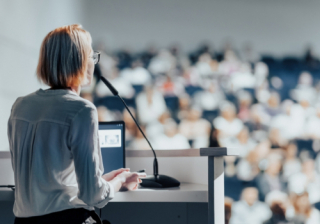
<point x="151" y="181"/>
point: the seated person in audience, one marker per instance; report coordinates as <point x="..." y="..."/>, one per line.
<point x="276" y="139"/>
<point x="230" y="64"/>
<point x="261" y="72"/>
<point x="317" y="163"/>
<point x="304" y="89"/>
<point x="313" y="124"/>
<point x="291" y="163"/>
<point x="303" y="212"/>
<point x="210" y="98"/>
<point x="317" y="88"/>
<point x="244" y="101"/>
<point x="106" y="115"/>
<point x="206" y="66"/>
<point x="248" y="168"/>
<point x="273" y="105"/>
<point x="170" y="87"/>
<point x="278" y="202"/>
<point x="285" y="122"/>
<point x="259" y="123"/>
<point x="150" y="105"/>
<point x="243" y="142"/>
<point x="124" y="87"/>
<point x="139" y="142"/>
<point x="195" y="128"/>
<point x="137" y="74"/>
<point x="271" y="179"/>
<point x="171" y="139"/>
<point x="156" y="128"/>
<point x="227" y="209"/>
<point x="249" y="210"/>
<point x="162" y="63"/>
<point x="306" y="180"/>
<point x="131" y="127"/>
<point x="228" y="125"/>
<point x="184" y="106"/>
<point x="107" y="63"/>
<point x="307" y="108"/>
<point x="262" y="93"/>
<point x="243" y="78"/>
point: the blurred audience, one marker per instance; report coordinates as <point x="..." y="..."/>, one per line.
<point x="303" y="212"/>
<point x="278" y="202"/>
<point x="195" y="128"/>
<point x="249" y="210"/>
<point x="268" y="108"/>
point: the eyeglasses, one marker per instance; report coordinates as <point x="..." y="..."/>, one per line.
<point x="96" y="57"/>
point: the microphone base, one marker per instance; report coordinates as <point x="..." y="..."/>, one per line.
<point x="159" y="181"/>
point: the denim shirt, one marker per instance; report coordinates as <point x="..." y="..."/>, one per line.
<point x="55" y="152"/>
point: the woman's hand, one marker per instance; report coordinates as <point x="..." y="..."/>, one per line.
<point x="109" y="176"/>
<point x="132" y="180"/>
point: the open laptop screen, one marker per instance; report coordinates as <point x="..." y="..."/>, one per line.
<point x="112" y="144"/>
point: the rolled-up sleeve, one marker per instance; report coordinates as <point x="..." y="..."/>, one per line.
<point x="84" y="145"/>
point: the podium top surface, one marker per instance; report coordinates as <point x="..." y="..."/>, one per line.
<point x="213" y="151"/>
<point x="187" y="192"/>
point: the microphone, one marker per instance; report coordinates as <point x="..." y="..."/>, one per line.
<point x="151" y="181"/>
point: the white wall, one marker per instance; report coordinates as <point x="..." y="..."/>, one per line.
<point x="273" y="26"/>
<point x="23" y="25"/>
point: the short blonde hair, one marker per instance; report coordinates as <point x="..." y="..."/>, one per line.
<point x="64" y="56"/>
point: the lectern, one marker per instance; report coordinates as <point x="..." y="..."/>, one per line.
<point x="216" y="182"/>
<point x="187" y="165"/>
<point x="215" y="173"/>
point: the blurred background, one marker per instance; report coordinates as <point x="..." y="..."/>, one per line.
<point x="238" y="73"/>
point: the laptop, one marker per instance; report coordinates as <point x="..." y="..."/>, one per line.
<point x="112" y="144"/>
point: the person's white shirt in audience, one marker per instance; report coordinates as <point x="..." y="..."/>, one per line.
<point x="171" y="139"/>
<point x="205" y="65"/>
<point x="209" y="99"/>
<point x="307" y="180"/>
<point x="312" y="126"/>
<point x="304" y="89"/>
<point x="262" y="93"/>
<point x="261" y="72"/>
<point x="243" y="142"/>
<point x="162" y="63"/>
<point x="195" y="128"/>
<point x="122" y="85"/>
<point x="150" y="105"/>
<point x="139" y="142"/>
<point x="244" y="102"/>
<point x="291" y="164"/>
<point x="249" y="210"/>
<point x="227" y="124"/>
<point x="291" y="124"/>
<point x="230" y="64"/>
<point x="137" y="75"/>
<point x="156" y="128"/>
<point x="301" y="210"/>
<point x="242" y="79"/>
